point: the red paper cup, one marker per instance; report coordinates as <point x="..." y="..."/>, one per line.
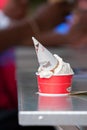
<point x="54" y="103"/>
<point x="59" y="85"/>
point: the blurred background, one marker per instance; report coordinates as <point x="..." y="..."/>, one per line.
<point x="33" y="4"/>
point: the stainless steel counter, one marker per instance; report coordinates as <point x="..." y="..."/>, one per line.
<point x="35" y="109"/>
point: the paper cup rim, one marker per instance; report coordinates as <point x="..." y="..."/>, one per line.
<point x="58" y="74"/>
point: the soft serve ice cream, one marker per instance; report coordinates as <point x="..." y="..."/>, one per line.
<point x="54" y="76"/>
<point x="61" y="69"/>
<point x="50" y="64"/>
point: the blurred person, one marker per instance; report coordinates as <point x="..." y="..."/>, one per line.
<point x="11" y="13"/>
<point x="74" y="23"/>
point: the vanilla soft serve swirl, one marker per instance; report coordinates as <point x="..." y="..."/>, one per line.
<point x="63" y="68"/>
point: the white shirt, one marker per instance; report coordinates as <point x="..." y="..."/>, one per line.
<point x="6" y="57"/>
<point x="5" y="21"/>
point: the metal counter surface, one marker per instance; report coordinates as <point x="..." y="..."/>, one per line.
<point x="34" y="109"/>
